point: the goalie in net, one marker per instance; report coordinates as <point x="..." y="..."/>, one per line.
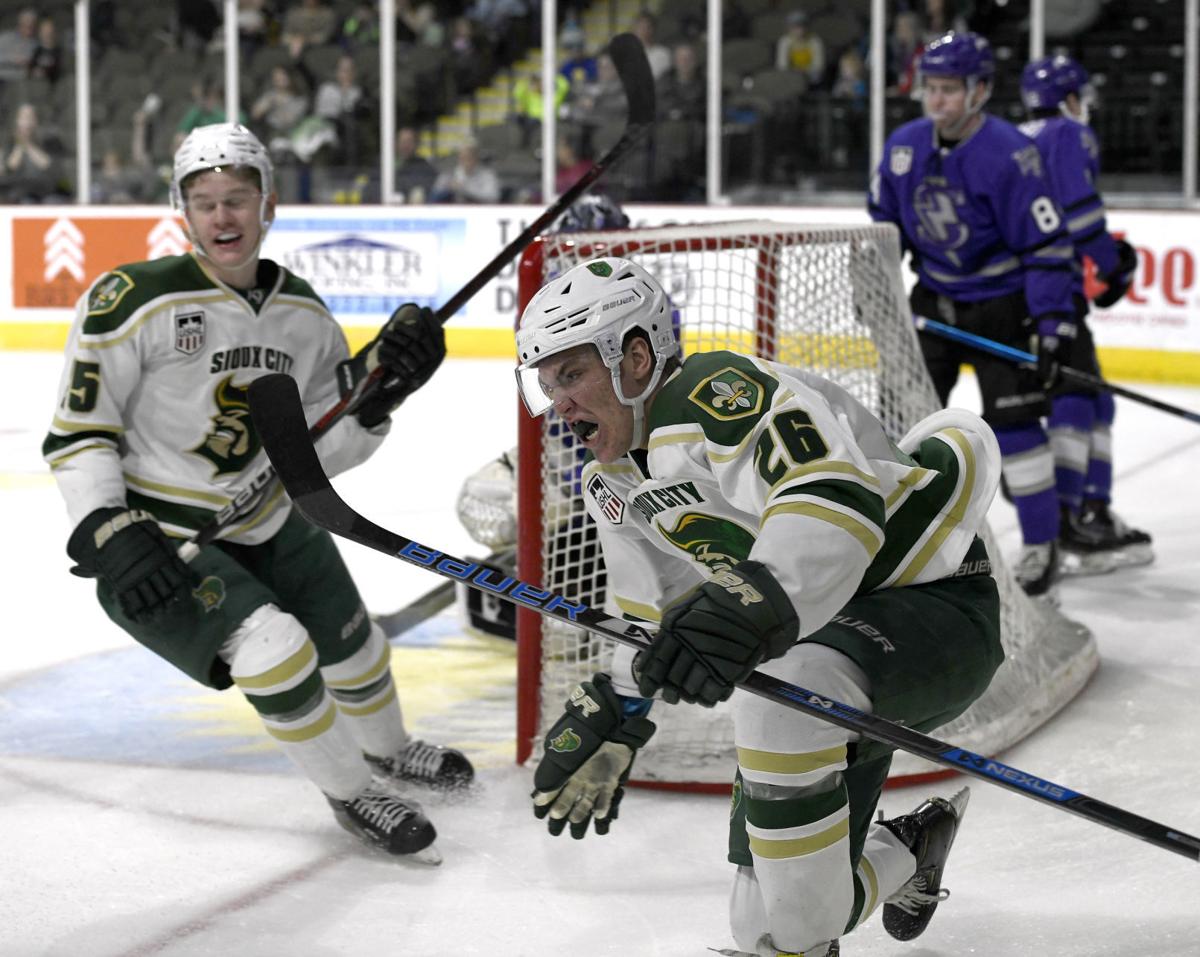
<point x="756" y="513"/>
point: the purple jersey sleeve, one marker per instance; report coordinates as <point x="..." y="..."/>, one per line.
<point x="1072" y="157"/>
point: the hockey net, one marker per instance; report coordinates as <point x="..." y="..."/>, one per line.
<point x="829" y="299"/>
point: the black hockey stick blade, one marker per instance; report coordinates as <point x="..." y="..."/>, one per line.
<point x="433" y="601"/>
<point x="279" y="418"/>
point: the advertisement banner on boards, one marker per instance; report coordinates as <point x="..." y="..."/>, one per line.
<point x="364" y="261"/>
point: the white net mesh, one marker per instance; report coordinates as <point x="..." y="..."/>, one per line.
<point x="829" y="299"/>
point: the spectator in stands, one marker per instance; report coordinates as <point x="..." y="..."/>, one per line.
<point x="310" y="21"/>
<point x="415" y="175"/>
<point x="279" y="109"/>
<point x="851" y="82"/>
<point x="571" y="165"/>
<point x="45" y="63"/>
<point x="470" y="60"/>
<point x="939" y="20"/>
<point x="208" y="106"/>
<point x="604" y="100"/>
<point x="360" y="28"/>
<point x="801" y="50"/>
<point x="682" y="94"/>
<point x="422" y="23"/>
<point x="156" y="172"/>
<point x="253" y="25"/>
<point x="17" y="45"/>
<point x="579" y="67"/>
<point x="529" y="107"/>
<point x="906" y="43"/>
<point x="117" y="182"/>
<point x="659" y="57"/>
<point x="198" y="21"/>
<point x="505" y="22"/>
<point x="30" y="169"/>
<point x="343" y="102"/>
<point x="469" y="181"/>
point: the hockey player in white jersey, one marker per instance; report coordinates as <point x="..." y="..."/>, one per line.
<point x="757" y="514"/>
<point x="152" y="436"/>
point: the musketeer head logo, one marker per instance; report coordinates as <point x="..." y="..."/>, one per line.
<point x="231" y="442"/>
<point x="566" y="742"/>
<point x="728" y="394"/>
<point x="716" y="542"/>
<point x="210" y="593"/>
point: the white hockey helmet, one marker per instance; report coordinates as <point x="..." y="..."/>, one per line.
<point x="218" y="146"/>
<point x="597" y="302"/>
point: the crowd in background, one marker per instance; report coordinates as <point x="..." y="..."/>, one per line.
<point x="794" y="75"/>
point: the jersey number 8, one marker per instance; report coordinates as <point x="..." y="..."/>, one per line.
<point x="1045" y="214"/>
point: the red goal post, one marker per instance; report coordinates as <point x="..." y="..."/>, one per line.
<point x="827" y="298"/>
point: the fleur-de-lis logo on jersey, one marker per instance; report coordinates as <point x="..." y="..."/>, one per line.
<point x="728" y="394"/>
<point x="732" y="394"/>
<point x="231" y="442"/>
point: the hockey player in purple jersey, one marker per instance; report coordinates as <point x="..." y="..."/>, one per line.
<point x="1057" y="95"/>
<point x="992" y="256"/>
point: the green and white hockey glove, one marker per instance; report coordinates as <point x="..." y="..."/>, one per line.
<point x="127" y="549"/>
<point x="409" y="347"/>
<point x="716" y="635"/>
<point x="586" y="763"/>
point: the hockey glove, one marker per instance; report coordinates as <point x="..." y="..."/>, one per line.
<point x="589" y="752"/>
<point x="1055" y="342"/>
<point x="717" y="635"/>
<point x="1119" y="279"/>
<point x="127" y="549"/>
<point x="409" y="347"/>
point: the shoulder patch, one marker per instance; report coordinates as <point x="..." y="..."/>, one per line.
<point x="609" y="502"/>
<point x="728" y="394"/>
<point x="108" y="292"/>
<point x="1029" y="161"/>
<point x="900" y="160"/>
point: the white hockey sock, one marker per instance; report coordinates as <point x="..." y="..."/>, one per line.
<point x="366" y="696"/>
<point x="274" y="664"/>
<point x="886" y="866"/>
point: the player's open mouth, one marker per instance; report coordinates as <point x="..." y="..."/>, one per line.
<point x="227" y="239"/>
<point x="584" y="430"/>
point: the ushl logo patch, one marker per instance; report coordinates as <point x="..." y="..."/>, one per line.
<point x="900" y="160"/>
<point x="189" y="333"/>
<point x="609" y="501"/>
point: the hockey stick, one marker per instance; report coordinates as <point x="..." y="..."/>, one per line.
<point x="433" y="601"/>
<point x="629" y="58"/>
<point x="279" y="417"/>
<point x="1002" y="351"/>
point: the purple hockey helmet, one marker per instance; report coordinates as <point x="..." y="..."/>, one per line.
<point x="967" y="55"/>
<point x="1045" y="83"/>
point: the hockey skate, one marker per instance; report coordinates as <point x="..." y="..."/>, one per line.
<point x="1096" y="541"/>
<point x="388" y="822"/>
<point x="1037" y="570"/>
<point x="928" y="832"/>
<point x="764" y="948"/>
<point x="424" y="763"/>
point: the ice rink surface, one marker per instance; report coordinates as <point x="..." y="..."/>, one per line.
<point x="141" y="814"/>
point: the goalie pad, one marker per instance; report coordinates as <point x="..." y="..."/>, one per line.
<point x="483" y="614"/>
